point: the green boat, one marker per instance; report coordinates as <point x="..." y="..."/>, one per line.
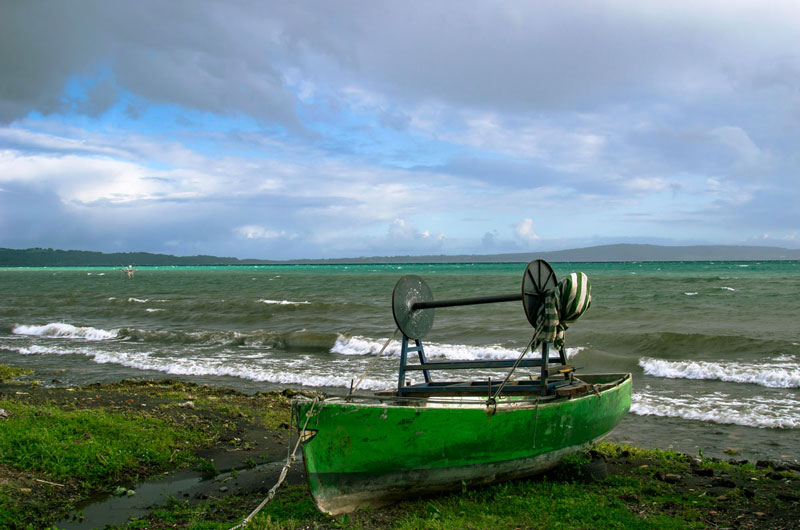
<point x="371" y="450"/>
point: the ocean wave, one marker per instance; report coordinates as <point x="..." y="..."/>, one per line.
<point x="719" y="407"/>
<point x="356" y="345"/>
<point x="690" y="294"/>
<point x="251" y="339"/>
<point x="254" y="367"/>
<point x="727" y="288"/>
<point x="281" y="302"/>
<point x="138" y="300"/>
<point x="36" y="349"/>
<point x="665" y="344"/>
<point x="151" y="310"/>
<point x="776" y="374"/>
<point x="62" y="330"/>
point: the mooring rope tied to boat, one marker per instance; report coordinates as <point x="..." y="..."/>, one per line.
<point x="290" y="457"/>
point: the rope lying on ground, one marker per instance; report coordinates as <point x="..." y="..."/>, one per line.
<point x="289" y="459"/>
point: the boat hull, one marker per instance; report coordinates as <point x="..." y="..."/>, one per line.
<point x="372" y="452"/>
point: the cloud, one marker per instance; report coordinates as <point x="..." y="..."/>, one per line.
<point x="260" y="232"/>
<point x="247" y="57"/>
<point x="400" y="230"/>
<point x="217" y="58"/>
<point x="524" y="231"/>
<point x="305" y="129"/>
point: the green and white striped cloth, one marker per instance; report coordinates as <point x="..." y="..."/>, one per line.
<point x="563" y="305"/>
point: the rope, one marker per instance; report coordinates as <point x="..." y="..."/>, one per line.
<point x="282" y="477"/>
<point x="369" y="367"/>
<point x="493" y="400"/>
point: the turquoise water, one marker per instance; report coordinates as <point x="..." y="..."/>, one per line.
<point x="714" y="347"/>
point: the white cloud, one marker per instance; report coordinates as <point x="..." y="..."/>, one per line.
<point x="261" y="232"/>
<point x="401" y="231"/>
<point x="648" y="184"/>
<point x="524" y="231"/>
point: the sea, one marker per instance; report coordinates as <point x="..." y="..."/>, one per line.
<point x="714" y="347"/>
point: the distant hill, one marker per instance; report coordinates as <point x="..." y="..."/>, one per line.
<point x="48" y="257"/>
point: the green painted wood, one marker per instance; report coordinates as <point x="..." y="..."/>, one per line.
<point x="370" y="452"/>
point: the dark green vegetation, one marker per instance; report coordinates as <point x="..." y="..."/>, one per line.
<point x="48" y="257"/>
<point x="8" y="373"/>
<point x="59" y="446"/>
<point x="643" y="489"/>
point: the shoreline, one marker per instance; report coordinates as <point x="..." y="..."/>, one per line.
<point x="235" y="440"/>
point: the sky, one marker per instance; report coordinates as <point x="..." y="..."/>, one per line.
<point x="322" y="129"/>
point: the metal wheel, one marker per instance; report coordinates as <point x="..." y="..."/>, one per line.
<point x="410" y="289"/>
<point x="537" y="280"/>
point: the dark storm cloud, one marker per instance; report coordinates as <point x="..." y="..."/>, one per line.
<point x="202" y="56"/>
<point x="233" y="57"/>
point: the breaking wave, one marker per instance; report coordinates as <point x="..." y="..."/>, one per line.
<point x="775" y="374"/>
<point x="356" y="345"/>
<point x="255" y="339"/>
<point x="281" y="302"/>
<point x="62" y="330"/>
<point x="259" y="367"/>
<point x="756" y="411"/>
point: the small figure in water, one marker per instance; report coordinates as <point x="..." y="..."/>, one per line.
<point x="129" y="271"/>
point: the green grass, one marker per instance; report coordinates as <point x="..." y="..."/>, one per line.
<point x="91" y="446"/>
<point x="85" y="450"/>
<point x="9" y="373"/>
<point x="548" y="503"/>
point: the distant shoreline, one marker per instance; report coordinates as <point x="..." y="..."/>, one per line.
<point x="623" y="253"/>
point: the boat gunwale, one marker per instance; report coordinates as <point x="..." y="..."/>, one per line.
<point x="466" y="401"/>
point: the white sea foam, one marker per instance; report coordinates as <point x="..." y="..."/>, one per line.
<point x="727" y="288"/>
<point x="151" y="310"/>
<point x="690" y="294"/>
<point x="112" y="298"/>
<point x="262" y="366"/>
<point x="138" y="300"/>
<point x="774" y="374"/>
<point x="255" y="368"/>
<point x="357" y="345"/>
<point x="281" y="302"/>
<point x="68" y="331"/>
<point x="718" y="407"/>
<point x="36" y="349"/>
